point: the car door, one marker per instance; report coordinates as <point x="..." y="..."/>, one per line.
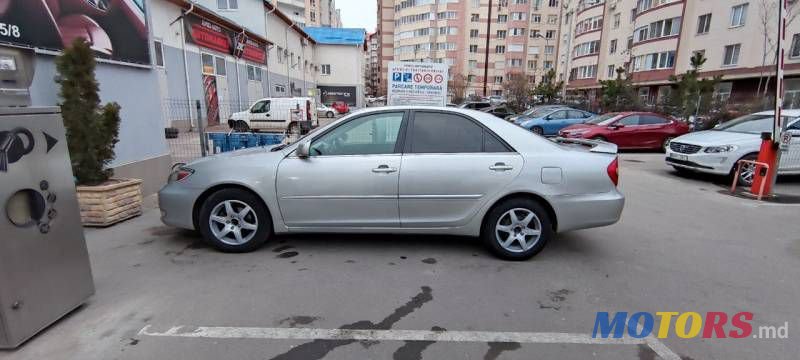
<point x="575" y="117"/>
<point x="790" y="158"/>
<point x="554" y="122"/>
<point x="350" y="177"/>
<point x="652" y="131"/>
<point x="259" y="114"/>
<point x="451" y="164"/>
<point x="623" y="131"/>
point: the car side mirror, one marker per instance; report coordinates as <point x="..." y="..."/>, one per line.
<point x="303" y="149"/>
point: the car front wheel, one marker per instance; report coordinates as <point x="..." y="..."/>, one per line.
<point x="517" y="229"/>
<point x="234" y="220"/>
<point x="537" y="130"/>
<point x="747" y="172"/>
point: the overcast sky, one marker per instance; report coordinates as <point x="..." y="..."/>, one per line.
<point x="359" y="13"/>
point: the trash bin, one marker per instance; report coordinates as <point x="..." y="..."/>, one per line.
<point x="220" y="141"/>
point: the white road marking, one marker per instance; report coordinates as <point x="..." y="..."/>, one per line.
<point x="214" y="332"/>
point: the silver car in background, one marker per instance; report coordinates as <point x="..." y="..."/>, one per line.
<point x="413" y="170"/>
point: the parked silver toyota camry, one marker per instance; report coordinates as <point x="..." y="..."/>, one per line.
<point x="416" y="170"/>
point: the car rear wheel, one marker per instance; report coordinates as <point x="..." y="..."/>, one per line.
<point x="517" y="229"/>
<point x="537" y="130"/>
<point x="599" y="138"/>
<point x="293" y="132"/>
<point x="329" y="114"/>
<point x="234" y="220"/>
<point x="747" y="172"/>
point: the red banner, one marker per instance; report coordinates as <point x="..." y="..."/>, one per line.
<point x="215" y="37"/>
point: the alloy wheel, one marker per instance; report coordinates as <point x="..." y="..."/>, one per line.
<point x="518" y="230"/>
<point x="747" y="173"/>
<point x="233" y="222"/>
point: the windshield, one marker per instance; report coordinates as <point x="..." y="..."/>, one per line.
<point x="539" y="112"/>
<point x="604" y="119"/>
<point x="751" y="124"/>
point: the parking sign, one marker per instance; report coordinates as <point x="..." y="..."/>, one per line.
<point x="417" y="84"/>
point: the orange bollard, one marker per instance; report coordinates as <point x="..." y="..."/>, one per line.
<point x="769" y="155"/>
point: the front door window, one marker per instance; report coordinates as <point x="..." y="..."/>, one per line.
<point x="371" y="134"/>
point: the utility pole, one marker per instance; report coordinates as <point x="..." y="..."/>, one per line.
<point x="486" y="57"/>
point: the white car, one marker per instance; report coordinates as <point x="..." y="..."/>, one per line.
<point x="718" y="150"/>
<point x="326" y="111"/>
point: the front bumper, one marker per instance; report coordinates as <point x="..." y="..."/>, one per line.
<point x="176" y="202"/>
<point x="720" y="163"/>
<point x="576" y="212"/>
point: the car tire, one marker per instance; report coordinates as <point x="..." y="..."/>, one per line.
<point x="600" y="138"/>
<point x="538" y="130"/>
<point x="745" y="178"/>
<point x="249" y="217"/>
<point x="511" y="219"/>
<point x="665" y="144"/>
<point x="329" y="114"/>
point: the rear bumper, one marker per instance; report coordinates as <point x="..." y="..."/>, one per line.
<point x="576" y="212"/>
<point x="176" y="202"/>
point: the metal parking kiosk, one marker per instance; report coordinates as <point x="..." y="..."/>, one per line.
<point x="44" y="264"/>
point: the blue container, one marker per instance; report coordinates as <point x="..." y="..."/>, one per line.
<point x="270" y="139"/>
<point x="237" y="141"/>
<point x="220" y="142"/>
<point x="252" y="140"/>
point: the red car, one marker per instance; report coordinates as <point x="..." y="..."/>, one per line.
<point x="341" y="107"/>
<point x="629" y="130"/>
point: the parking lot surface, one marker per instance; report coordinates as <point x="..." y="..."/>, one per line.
<point x="682" y="245"/>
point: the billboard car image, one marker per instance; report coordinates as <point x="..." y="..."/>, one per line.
<point x="115" y="29"/>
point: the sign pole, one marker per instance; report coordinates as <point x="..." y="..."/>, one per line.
<point x="777" y="126"/>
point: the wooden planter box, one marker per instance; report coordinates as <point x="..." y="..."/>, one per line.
<point x="107" y="204"/>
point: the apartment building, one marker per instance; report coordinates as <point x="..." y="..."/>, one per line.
<point x="654" y="39"/>
<point x="318" y="13"/>
<point x="372" y="64"/>
<point x="487" y="41"/>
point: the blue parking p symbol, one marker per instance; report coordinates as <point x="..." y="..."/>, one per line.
<point x="397" y="76"/>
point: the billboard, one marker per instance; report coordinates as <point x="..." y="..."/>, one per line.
<point x="116" y="30"/>
<point x="329" y="94"/>
<point x="207" y="34"/>
<point x="414" y="83"/>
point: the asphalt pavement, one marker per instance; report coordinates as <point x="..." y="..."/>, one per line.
<point x="682" y="245"/>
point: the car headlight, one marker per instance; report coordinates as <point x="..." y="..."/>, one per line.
<point x="180" y="173"/>
<point x="720" y="149"/>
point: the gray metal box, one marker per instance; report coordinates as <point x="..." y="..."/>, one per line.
<point x="44" y="265"/>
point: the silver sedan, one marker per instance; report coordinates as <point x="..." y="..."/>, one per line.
<point x="412" y="170"/>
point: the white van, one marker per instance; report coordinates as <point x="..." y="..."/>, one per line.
<point x="276" y="114"/>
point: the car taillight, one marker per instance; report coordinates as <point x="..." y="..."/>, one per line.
<point x="613" y="171"/>
<point x="180" y="174"/>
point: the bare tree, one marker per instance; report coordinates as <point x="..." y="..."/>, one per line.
<point x="768" y="21"/>
<point x="458" y="88"/>
<point x="518" y="91"/>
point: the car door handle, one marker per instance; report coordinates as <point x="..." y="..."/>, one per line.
<point x="384" y="169"/>
<point x="500" y="167"/>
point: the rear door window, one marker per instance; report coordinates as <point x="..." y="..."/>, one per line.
<point x="558" y="115"/>
<point x="652" y="120"/>
<point x="434" y="132"/>
<point x="574" y="114"/>
<point x="629" y="120"/>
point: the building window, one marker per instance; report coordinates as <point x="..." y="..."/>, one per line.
<point x="739" y="15"/>
<point x="474" y="17"/>
<point x="499" y="49"/>
<point x="703" y="24"/>
<point x="501" y="34"/>
<point x="550" y="34"/>
<point x="326" y="69"/>
<point x="516" y="47"/>
<point x="532" y="64"/>
<point x="473" y="48"/>
<point x="518" y="32"/>
<point x="611" y="72"/>
<point x="227" y="4"/>
<point x="158" y="52"/>
<point x="473" y="64"/>
<point x="587" y="48"/>
<point x="220" y="66"/>
<point x="552" y="19"/>
<point x="553" y="3"/>
<point x="208" y="64"/>
<point x="536" y="18"/>
<point x="655" y="61"/>
<point x="549" y="49"/>
<point x="583" y="72"/>
<point x="658" y="29"/>
<point x="280" y="88"/>
<point x="732" y="55"/>
<point x="502" y="18"/>
<point x="253" y="73"/>
<point x="515" y="62"/>
<point x="795" y="49"/>
<point x="612" y="46"/>
<point x="722" y="91"/>
<point x="498" y="79"/>
<point x="518" y="16"/>
<point x="617" y="20"/>
<point x="534" y="34"/>
<point x="473" y="33"/>
<point x="280" y="55"/>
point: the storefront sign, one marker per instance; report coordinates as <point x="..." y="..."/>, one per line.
<point x="413" y="83"/>
<point x="330" y="94"/>
<point x="117" y="33"/>
<point x="210" y="35"/>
